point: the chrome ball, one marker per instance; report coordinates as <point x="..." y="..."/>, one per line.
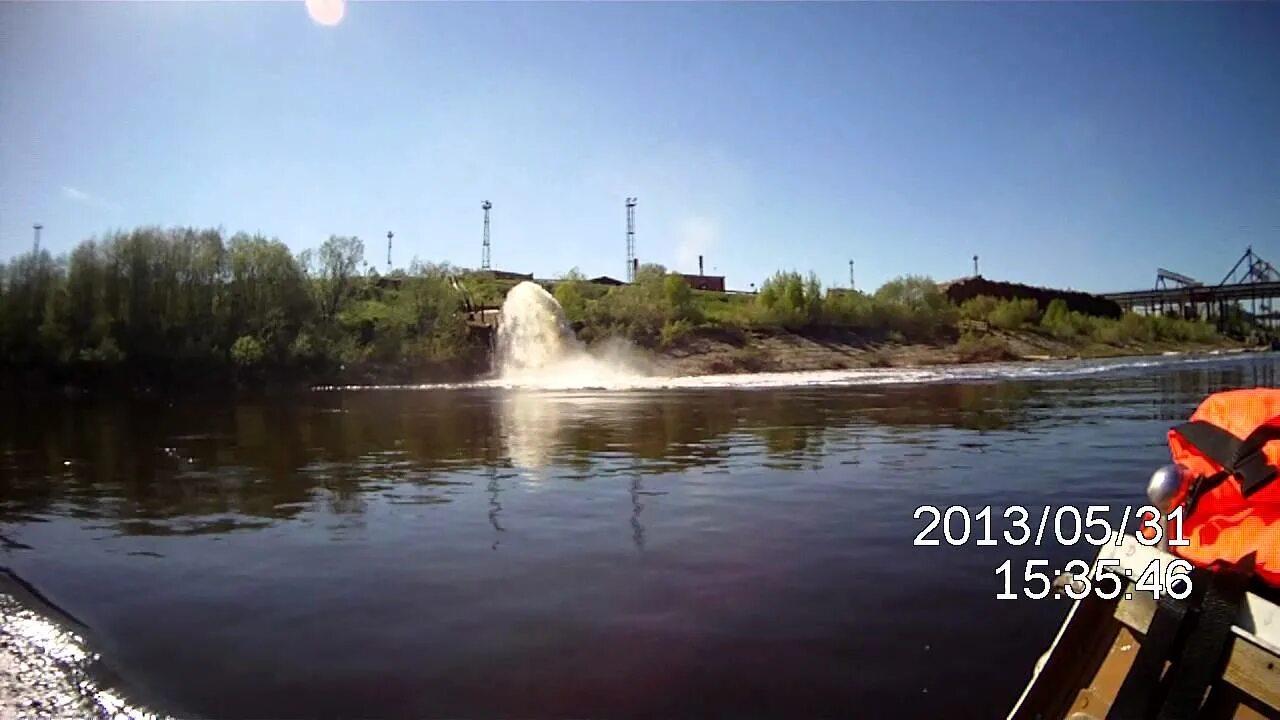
<point x="1166" y="483"/>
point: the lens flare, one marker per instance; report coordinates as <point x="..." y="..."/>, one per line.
<point x="327" y="12"/>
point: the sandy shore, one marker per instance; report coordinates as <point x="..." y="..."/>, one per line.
<point x="712" y="353"/>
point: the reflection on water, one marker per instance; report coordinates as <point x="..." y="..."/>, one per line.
<point x="531" y="425"/>
<point x="154" y="467"/>
<point x="495" y="507"/>
<point x="649" y="552"/>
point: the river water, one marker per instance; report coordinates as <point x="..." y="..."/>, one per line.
<point x="731" y="548"/>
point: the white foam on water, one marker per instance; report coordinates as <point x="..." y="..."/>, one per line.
<point x="592" y="379"/>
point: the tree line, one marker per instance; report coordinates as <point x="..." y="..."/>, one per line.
<point x="156" y="303"/>
<point x="183" y="300"/>
<point x="660" y="309"/>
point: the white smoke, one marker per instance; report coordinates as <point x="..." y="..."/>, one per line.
<point x="696" y="236"/>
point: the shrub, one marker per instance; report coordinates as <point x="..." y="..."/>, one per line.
<point x="791" y="301"/>
<point x="973" y="348"/>
<point x="1175" y="329"/>
<point x="678" y="299"/>
<point x="855" y="310"/>
<point x="673" y="331"/>
<point x="1137" y="327"/>
<point x="723" y="309"/>
<point x="916" y="308"/>
<point x="1014" y="314"/>
<point x="303" y="348"/>
<point x="1057" y="319"/>
<point x="1150" y="328"/>
<point x="1108" y="332"/>
<point x="247" y="351"/>
<point x="979" y="308"/>
<point x="107" y="352"/>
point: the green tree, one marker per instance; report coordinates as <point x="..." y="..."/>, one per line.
<point x="266" y="293"/>
<point x="678" y="298"/>
<point x="436" y="330"/>
<point x="334" y="268"/>
<point x="650" y="275"/>
<point x="782" y="298"/>
<point x="29" y="280"/>
<point x="916" y="307"/>
<point x="569" y="292"/>
<point x="813" y="300"/>
<point x="247" y="351"/>
<point x="854" y="309"/>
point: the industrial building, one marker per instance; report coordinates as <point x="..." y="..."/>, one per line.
<point x="714" y="283"/>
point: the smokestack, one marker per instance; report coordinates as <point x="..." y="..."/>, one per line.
<point x="700" y="265"/>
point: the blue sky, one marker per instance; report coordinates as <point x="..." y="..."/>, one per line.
<point x="1071" y="145"/>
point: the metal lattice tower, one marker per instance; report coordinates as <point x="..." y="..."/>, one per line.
<point x="851" y="285"/>
<point x="1254" y="270"/>
<point x="37" y="227"/>
<point x="631" y="239"/>
<point x="389" y="236"/>
<point x="975" y="266"/>
<point x="1248" y="270"/>
<point x="484" y="257"/>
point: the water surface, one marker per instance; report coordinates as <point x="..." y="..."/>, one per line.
<point x="675" y="550"/>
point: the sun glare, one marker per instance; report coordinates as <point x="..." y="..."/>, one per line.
<point x="326" y="12"/>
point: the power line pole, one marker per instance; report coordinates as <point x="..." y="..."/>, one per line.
<point x="37" y="227"/>
<point x="484" y="257"/>
<point x="631" y="239"/>
<point x="389" y="236"/>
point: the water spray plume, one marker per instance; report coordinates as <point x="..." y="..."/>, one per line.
<point x="537" y="348"/>
<point x="534" y="333"/>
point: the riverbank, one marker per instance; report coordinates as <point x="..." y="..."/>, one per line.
<point x="713" y="351"/>
<point x="703" y="351"/>
<point x="209" y="315"/>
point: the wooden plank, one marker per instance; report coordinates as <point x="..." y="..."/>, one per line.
<point x="1094" y="701"/>
<point x="1254" y="671"/>
<point x="1259" y="619"/>
<point x="1072" y="661"/>
<point x="1098" y="639"/>
<point x="1229" y="703"/>
<point x="1253" y="664"/>
<point x="1136" y="613"/>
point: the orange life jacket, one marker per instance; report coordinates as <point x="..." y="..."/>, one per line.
<point x="1232" y="503"/>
